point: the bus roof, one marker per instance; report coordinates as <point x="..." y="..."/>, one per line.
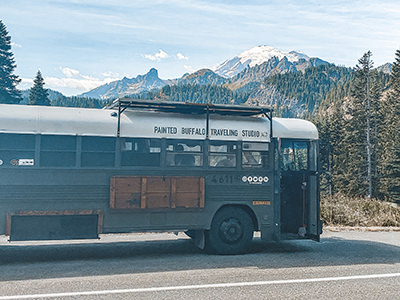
<point x="294" y="128"/>
<point x="150" y="124"/>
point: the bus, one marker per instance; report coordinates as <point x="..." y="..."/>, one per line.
<point x="217" y="172"/>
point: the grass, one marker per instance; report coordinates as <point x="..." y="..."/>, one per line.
<point x="340" y="210"/>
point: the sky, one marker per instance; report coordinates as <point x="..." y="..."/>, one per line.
<point x="81" y="44"/>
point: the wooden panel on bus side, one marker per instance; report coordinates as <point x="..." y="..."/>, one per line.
<point x="125" y="192"/>
<point x="157" y="192"/>
<point x="187" y="192"/>
<point x="132" y="192"/>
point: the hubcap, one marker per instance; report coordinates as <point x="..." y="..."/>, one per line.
<point x="231" y="230"/>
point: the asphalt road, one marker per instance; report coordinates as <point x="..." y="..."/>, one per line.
<point x="345" y="265"/>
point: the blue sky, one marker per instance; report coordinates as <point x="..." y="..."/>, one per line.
<point x="80" y="44"/>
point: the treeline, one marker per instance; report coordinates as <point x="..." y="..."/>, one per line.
<point x="359" y="134"/>
<point x="312" y="86"/>
<point x="196" y="94"/>
<point x="75" y="101"/>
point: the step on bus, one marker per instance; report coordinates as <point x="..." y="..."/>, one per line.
<point x="217" y="172"/>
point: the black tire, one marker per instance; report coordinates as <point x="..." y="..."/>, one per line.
<point x="231" y="231"/>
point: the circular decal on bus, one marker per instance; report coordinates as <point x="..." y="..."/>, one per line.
<point x="255" y="179"/>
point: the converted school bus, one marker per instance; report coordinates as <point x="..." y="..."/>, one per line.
<point x="217" y="172"/>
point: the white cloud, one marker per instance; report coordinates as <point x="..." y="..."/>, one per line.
<point x="26" y="80"/>
<point x="26" y="83"/>
<point x="110" y="74"/>
<point x="72" y="82"/>
<point x="16" y="45"/>
<point x="80" y="84"/>
<point x="180" y="56"/>
<point x="69" y="72"/>
<point x="157" y="56"/>
<point x="189" y="68"/>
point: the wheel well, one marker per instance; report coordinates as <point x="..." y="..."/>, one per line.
<point x="247" y="209"/>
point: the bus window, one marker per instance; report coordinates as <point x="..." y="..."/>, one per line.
<point x="140" y="152"/>
<point x="57" y="151"/>
<point x="17" y="149"/>
<point x="185" y="153"/>
<point x="222" y="154"/>
<point x="255" y="155"/>
<point x="294" y="156"/>
<point x="98" y="151"/>
<point x="313" y="155"/>
<point x="301" y="154"/>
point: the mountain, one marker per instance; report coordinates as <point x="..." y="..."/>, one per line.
<point x="386" y="68"/>
<point x="202" y="77"/>
<point x="127" y="86"/>
<point x="255" y="56"/>
<point x="247" y="72"/>
<point x="257" y="74"/>
<point x="151" y="81"/>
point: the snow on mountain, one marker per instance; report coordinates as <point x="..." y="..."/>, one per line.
<point x="255" y="56"/>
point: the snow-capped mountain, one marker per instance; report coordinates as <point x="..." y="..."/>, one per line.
<point x="246" y="69"/>
<point x="255" y="56"/>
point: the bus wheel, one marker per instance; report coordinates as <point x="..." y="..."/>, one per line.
<point x="231" y="231"/>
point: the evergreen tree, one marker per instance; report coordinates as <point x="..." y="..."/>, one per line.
<point x="8" y="81"/>
<point x="389" y="137"/>
<point x="38" y="95"/>
<point x="360" y="139"/>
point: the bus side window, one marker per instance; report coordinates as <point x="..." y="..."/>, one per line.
<point x="185" y="153"/>
<point x="255" y="155"/>
<point x="222" y="154"/>
<point x="17" y="149"/>
<point x="57" y="151"/>
<point x="98" y="151"/>
<point x="140" y="152"/>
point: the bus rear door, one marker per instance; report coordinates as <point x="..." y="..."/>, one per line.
<point x="299" y="189"/>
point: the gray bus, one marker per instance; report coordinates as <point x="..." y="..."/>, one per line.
<point x="217" y="172"/>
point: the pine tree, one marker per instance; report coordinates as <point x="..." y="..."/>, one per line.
<point x="389" y="144"/>
<point x="359" y="136"/>
<point x="8" y="81"/>
<point x="38" y="95"/>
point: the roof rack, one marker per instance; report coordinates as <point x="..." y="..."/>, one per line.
<point x="188" y="108"/>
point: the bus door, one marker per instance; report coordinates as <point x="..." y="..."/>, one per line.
<point x="299" y="192"/>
